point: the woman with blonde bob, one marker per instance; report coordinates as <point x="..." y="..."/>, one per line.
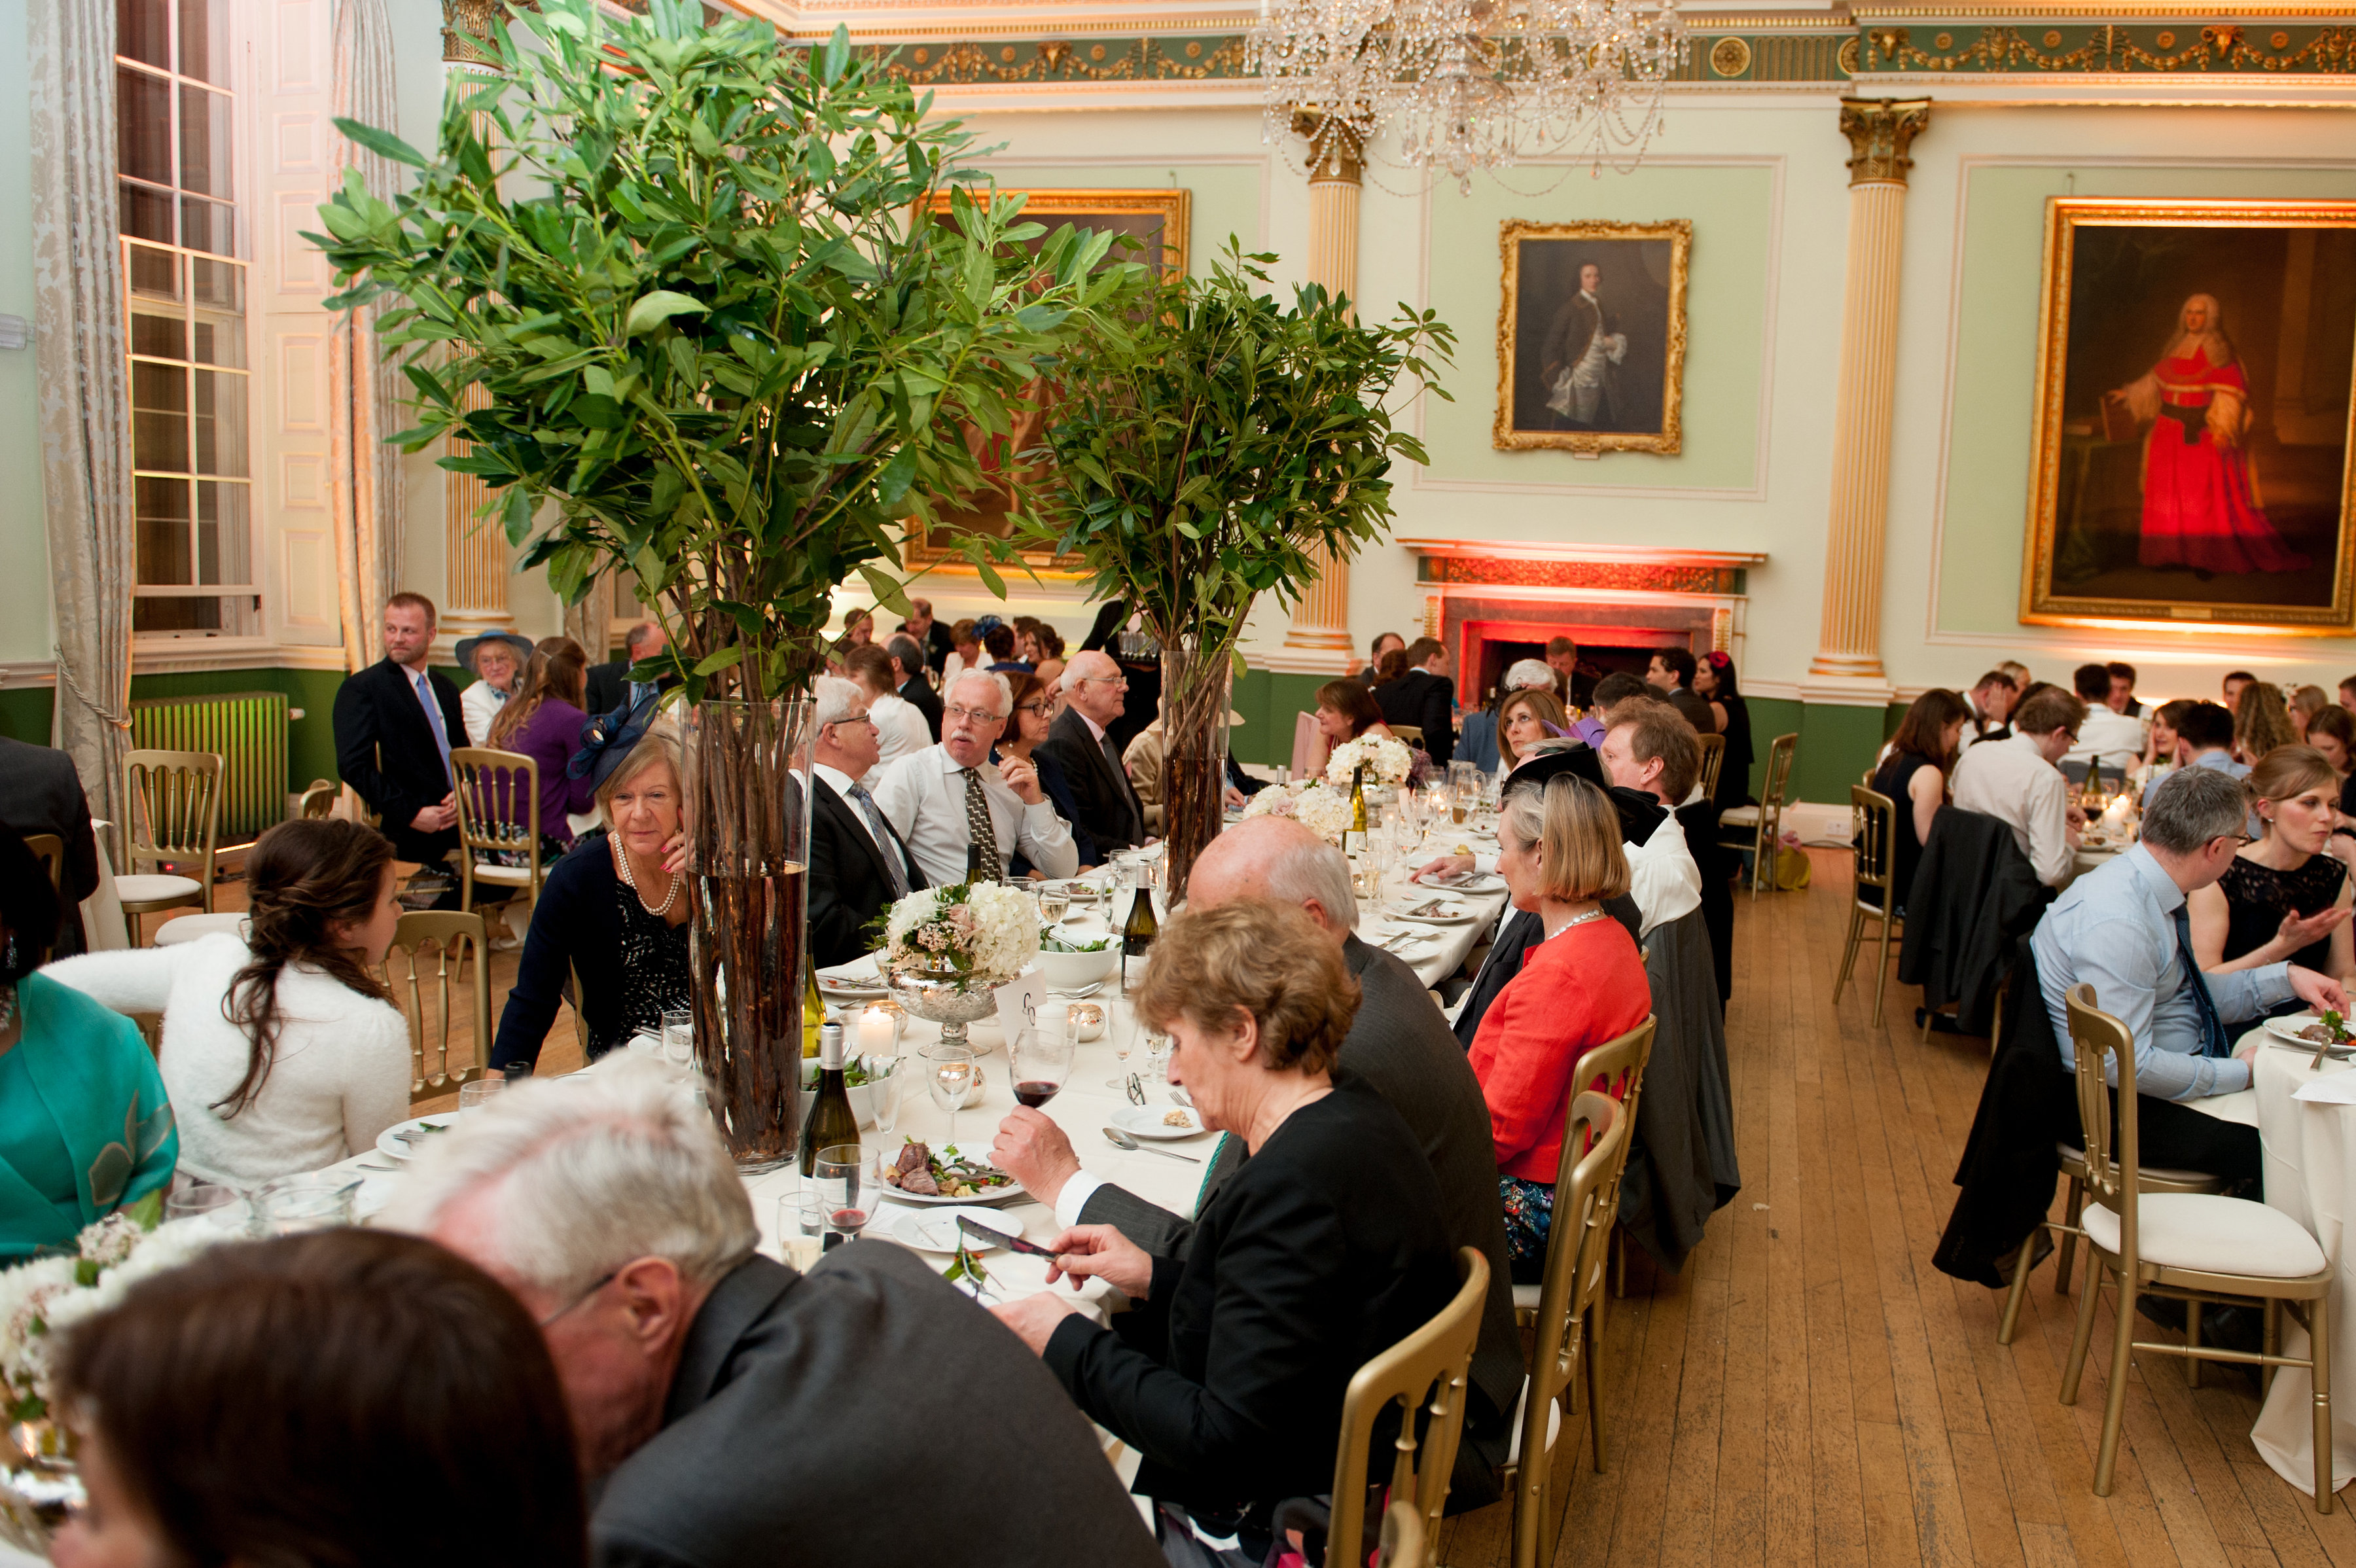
<point x="1328" y="1246"/>
<point x="2284" y="897"/>
<point x="1559" y="851"/>
<point x="613" y="912"/>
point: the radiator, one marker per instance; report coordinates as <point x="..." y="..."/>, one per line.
<point x="248" y="729"/>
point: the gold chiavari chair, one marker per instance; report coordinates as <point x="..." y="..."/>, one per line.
<point x="1876" y="827"/>
<point x="2188" y="1247"/>
<point x="1763" y="825"/>
<point x="1428" y="1368"/>
<point x="498" y="814"/>
<point x="2148" y="1178"/>
<point x="316" y="801"/>
<point x="460" y="976"/>
<point x="1713" y="758"/>
<point x="1408" y="735"/>
<point x="171" y="814"/>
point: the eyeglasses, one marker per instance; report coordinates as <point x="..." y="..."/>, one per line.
<point x="1041" y="709"/>
<point x="1107" y="680"/>
<point x="855" y="719"/>
<point x="978" y="715"/>
<point x="605" y="1280"/>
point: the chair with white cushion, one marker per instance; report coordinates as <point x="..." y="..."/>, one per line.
<point x="1762" y="825"/>
<point x="171" y="814"/>
<point x="2149" y="1179"/>
<point x="498" y="815"/>
<point x="2188" y="1247"/>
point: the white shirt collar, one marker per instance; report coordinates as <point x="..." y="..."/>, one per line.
<point x="843" y="782"/>
<point x="1095" y="729"/>
<point x="951" y="766"/>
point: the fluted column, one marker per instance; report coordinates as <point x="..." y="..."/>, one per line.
<point x="1319" y="639"/>
<point x="1849" y="641"/>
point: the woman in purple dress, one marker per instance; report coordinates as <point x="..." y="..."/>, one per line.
<point x="543" y="722"/>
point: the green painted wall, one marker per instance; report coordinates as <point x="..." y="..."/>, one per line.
<point x="1267" y="701"/>
<point x="25" y="714"/>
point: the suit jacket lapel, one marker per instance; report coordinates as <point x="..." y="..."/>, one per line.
<point x="409" y="713"/>
<point x="856" y="826"/>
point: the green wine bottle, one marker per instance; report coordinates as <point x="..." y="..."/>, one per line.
<point x="832" y="1120"/>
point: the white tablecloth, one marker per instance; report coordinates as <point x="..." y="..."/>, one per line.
<point x="2310" y="1174"/>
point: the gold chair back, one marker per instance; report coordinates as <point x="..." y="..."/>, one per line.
<point x="1428" y="1368"/>
<point x="171" y="812"/>
<point x="1713" y="757"/>
<point x="1402" y="1544"/>
<point x="459" y="975"/>
<point x="317" y="801"/>
<point x="1874" y="827"/>
<point x="1772" y="789"/>
<point x="2102" y="1048"/>
<point x="50" y="851"/>
<point x="498" y="814"/>
<point x="1411" y="735"/>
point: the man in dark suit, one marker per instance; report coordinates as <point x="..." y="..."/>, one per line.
<point x="1384" y="642"/>
<point x="608" y="685"/>
<point x="857" y="864"/>
<point x="1424" y="697"/>
<point x="395" y="724"/>
<point x="1399" y="1044"/>
<point x="1080" y="740"/>
<point x="41" y="793"/>
<point x="734" y="1412"/>
<point x="908" y="673"/>
<point x="930" y="635"/>
<point x="1671" y="673"/>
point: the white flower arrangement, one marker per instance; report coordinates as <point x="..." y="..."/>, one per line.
<point x="984" y="931"/>
<point x="1324" y="811"/>
<point x="1386" y="758"/>
<point x="42" y="1299"/>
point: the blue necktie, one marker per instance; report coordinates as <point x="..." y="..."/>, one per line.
<point x="2213" y="1042"/>
<point x="883" y="838"/>
<point x="434" y="717"/>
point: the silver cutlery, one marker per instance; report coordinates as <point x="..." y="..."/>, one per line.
<point x="1081" y="994"/>
<point x="1122" y="1140"/>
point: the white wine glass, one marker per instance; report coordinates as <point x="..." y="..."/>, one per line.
<point x="1125" y="1034"/>
<point x="952" y="1072"/>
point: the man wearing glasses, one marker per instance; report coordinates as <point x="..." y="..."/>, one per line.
<point x="2018" y="782"/>
<point x="949" y="798"/>
<point x="1079" y="740"/>
<point x="857" y="864"/>
<point x="2123" y="930"/>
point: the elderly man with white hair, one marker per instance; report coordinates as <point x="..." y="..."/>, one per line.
<point x="858" y="866"/>
<point x="733" y="1413"/>
<point x="1094" y="691"/>
<point x="948" y="800"/>
<point x="1398" y="1043"/>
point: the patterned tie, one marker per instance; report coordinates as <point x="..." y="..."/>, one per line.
<point x="883" y="838"/>
<point x="434" y="717"/>
<point x="2213" y="1042"/>
<point x="979" y="825"/>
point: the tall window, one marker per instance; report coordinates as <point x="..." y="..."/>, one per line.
<point x="193" y="486"/>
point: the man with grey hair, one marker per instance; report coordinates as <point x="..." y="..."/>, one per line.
<point x="858" y="866"/>
<point x="948" y="800"/>
<point x="1398" y="1043"/>
<point x="732" y="1411"/>
<point x="1105" y="803"/>
<point x="2123" y="930"/>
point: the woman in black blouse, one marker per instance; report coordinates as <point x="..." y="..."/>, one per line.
<point x="1714" y="679"/>
<point x="613" y="912"/>
<point x="2284" y="897"/>
<point x="1325" y="1249"/>
<point x="1913" y="774"/>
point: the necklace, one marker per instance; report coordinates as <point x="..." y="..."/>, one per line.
<point x="7" y="1006"/>
<point x="621" y="869"/>
<point x="1596" y="914"/>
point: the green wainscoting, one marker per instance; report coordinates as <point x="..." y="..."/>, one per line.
<point x="25" y="711"/>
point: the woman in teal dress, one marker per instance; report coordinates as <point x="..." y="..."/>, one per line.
<point x="84" y="1124"/>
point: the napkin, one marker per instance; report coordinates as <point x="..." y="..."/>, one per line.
<point x="2329" y="1088"/>
<point x="860" y="970"/>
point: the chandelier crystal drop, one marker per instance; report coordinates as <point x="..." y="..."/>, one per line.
<point x="1467" y="85"/>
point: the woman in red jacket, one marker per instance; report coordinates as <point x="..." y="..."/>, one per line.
<point x="1583" y="985"/>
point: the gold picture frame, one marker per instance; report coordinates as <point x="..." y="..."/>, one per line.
<point x="1159" y="218"/>
<point x="1631" y="403"/>
<point x="2196" y="382"/>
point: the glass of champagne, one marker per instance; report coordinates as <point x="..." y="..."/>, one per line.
<point x="1054" y="899"/>
<point x="1124" y="1033"/>
<point x="847" y="1182"/>
<point x="953" y="1074"/>
<point x="1040" y="1060"/>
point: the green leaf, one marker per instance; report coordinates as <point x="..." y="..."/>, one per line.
<point x="652" y="310"/>
<point x="725" y="658"/>
<point x="515" y="514"/>
<point x="384" y="143"/>
<point x="888" y="593"/>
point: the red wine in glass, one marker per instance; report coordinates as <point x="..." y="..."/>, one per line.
<point x="1035" y="1092"/>
<point x="842" y="1225"/>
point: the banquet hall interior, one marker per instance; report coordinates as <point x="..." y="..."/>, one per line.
<point x="1899" y="451"/>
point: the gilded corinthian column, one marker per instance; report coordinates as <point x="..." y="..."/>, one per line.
<point x="1319" y="639"/>
<point x="1879" y="132"/>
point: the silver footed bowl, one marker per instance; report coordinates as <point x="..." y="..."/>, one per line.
<point x="947" y="998"/>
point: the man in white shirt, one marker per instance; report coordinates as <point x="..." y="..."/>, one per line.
<point x="1990" y="702"/>
<point x="2016" y="782"/>
<point x="900" y="726"/>
<point x="947" y="798"/>
<point x="2109" y="738"/>
<point x="858" y="866"/>
<point x="1650" y="749"/>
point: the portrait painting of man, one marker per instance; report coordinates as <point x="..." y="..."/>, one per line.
<point x="2193" y="450"/>
<point x="1591" y="336"/>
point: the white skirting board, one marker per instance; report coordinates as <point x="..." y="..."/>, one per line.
<point x="1820" y="824"/>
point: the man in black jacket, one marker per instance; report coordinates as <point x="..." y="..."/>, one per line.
<point x="930" y="635"/>
<point x="41" y="793"/>
<point x="608" y="685"/>
<point x="395" y="724"/>
<point x="1672" y="673"/>
<point x="1424" y="697"/>
<point x="1081" y="741"/>
<point x="857" y="864"/>
<point x="908" y="676"/>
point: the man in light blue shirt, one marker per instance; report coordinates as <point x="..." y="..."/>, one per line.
<point x="2122" y="930"/>
<point x="2204" y="739"/>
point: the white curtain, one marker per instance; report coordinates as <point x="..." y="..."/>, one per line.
<point x="85" y="394"/>
<point x="364" y="396"/>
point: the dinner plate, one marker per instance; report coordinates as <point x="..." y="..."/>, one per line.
<point x="1146" y="1120"/>
<point x="1478" y="882"/>
<point x="935" y="1229"/>
<point x="1446" y="914"/>
<point x="389" y="1141"/>
<point x="917" y="1199"/>
<point x="2287" y="1031"/>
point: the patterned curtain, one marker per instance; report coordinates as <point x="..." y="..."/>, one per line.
<point x="85" y="396"/>
<point x="363" y="391"/>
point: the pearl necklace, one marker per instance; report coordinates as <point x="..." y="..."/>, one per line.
<point x="622" y="867"/>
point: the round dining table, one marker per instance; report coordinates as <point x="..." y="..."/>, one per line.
<point x="2310" y="1174"/>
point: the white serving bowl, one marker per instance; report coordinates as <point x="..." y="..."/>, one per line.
<point x="1070" y="970"/>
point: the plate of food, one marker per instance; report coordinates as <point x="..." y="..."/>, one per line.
<point x="921" y="1176"/>
<point x="404" y="1139"/>
<point x="1438" y="912"/>
<point x="936" y="1229"/>
<point x="1159" y="1121"/>
<point x="2306" y="1032"/>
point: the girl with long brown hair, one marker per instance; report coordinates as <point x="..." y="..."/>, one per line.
<point x="1915" y="775"/>
<point x="543" y="722"/>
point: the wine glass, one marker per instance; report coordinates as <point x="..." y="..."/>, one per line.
<point x="953" y="1073"/>
<point x="1053" y="899"/>
<point x="1124" y="1040"/>
<point x="1040" y="1060"/>
<point x="848" y="1179"/>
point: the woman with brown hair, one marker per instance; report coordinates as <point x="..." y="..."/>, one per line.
<point x="543" y="722"/>
<point x="2261" y="722"/>
<point x="1913" y="774"/>
<point x="282" y="1052"/>
<point x="2305" y="704"/>
<point x="2284" y="897"/>
<point x="1525" y="719"/>
<point x="329" y="1400"/>
<point x="1346" y="710"/>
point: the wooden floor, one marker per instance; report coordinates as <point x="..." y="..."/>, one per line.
<point x="1812" y="1390"/>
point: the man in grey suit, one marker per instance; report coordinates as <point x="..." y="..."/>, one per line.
<point x="1400" y="1044"/>
<point x="732" y="1411"/>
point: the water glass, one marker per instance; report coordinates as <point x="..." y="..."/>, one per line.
<point x="800" y="1213"/>
<point x="191" y="1196"/>
<point x="953" y="1073"/>
<point x="475" y="1095"/>
<point x="885" y="1080"/>
<point x="1157" y="1051"/>
<point x="848" y="1182"/>
<point x="292" y="1204"/>
<point x="678" y="1036"/>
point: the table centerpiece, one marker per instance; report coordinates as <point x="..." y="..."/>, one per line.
<point x="948" y="949"/>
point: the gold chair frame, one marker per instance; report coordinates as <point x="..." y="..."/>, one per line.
<point x="1767" y="827"/>
<point x="316" y="801"/>
<point x="491" y="821"/>
<point x="1411" y="734"/>
<point x="1713" y="758"/>
<point x="1875" y="820"/>
<point x="2113" y="1180"/>
<point x="460" y="946"/>
<point x="2074" y="1168"/>
<point x="1429" y="1368"/>
<point x="50" y="851"/>
<point x="175" y="797"/>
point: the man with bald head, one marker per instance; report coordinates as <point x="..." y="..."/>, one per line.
<point x="1094" y="691"/>
<point x="1398" y="1043"/>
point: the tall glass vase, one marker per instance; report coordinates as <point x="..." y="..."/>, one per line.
<point x="747" y="859"/>
<point x="1195" y="682"/>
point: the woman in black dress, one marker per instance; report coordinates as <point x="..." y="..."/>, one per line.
<point x="2284" y="897"/>
<point x="1714" y="679"/>
<point x="1913" y="774"/>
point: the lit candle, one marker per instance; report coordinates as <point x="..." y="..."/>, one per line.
<point x="876" y="1033"/>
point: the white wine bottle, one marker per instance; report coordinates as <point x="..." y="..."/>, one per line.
<point x="832" y="1120"/>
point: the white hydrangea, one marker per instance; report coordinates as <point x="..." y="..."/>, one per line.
<point x="1386" y="758"/>
<point x="987" y="930"/>
<point x="1324" y="811"/>
<point x="40" y="1300"/>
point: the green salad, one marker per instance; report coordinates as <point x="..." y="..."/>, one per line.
<point x="1049" y="942"/>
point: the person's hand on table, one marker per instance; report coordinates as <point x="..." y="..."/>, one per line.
<point x="2075" y="814"/>
<point x="1447" y="865"/>
<point x="1233" y="799"/>
<point x="1101" y="1252"/>
<point x="2319" y="992"/>
<point x="1034" y="1318"/>
<point x="1033" y="1150"/>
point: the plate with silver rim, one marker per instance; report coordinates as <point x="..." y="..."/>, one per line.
<point x="406" y="1139"/>
<point x="1155" y="1121"/>
<point x="936" y="1229"/>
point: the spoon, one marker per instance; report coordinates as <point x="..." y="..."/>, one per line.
<point x="1081" y="994"/>
<point x="1122" y="1140"/>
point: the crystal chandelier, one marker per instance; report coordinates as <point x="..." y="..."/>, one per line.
<point x="1467" y="85"/>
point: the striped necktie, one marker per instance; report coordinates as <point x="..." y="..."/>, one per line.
<point x="983" y="831"/>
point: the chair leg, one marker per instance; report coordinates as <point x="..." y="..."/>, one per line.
<point x="2083" y="1335"/>
<point x="1882" y="975"/>
<point x="2192" y="1343"/>
<point x="2271" y="1345"/>
<point x="2114" y="1401"/>
<point x="2318" y="1335"/>
<point x="1592" y="1332"/>
<point x="2072" y="1210"/>
<point x="2019" y="1289"/>
<point x="1848" y="950"/>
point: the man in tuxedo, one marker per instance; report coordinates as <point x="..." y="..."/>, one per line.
<point x="395" y="724"/>
<point x="1095" y="692"/>
<point x="609" y="686"/>
<point x="857" y="864"/>
<point x="1424" y="697"/>
<point x="1672" y="674"/>
<point x="908" y="676"/>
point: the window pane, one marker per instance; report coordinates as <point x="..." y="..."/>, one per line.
<point x="224" y="533"/>
<point x="164" y="336"/>
<point x="161" y="522"/>
<point x="155" y="276"/>
<point x="159" y="418"/>
<point x="204" y="40"/>
<point x="208" y="226"/>
<point x="220" y="340"/>
<point x="220" y="422"/>
<point x="142" y="109"/>
<point x="146" y="212"/>
<point x="142" y="31"/>
<point x="205" y="142"/>
<point x="220" y="284"/>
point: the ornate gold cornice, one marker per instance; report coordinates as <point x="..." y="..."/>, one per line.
<point x="1880" y="130"/>
<point x="466" y="28"/>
